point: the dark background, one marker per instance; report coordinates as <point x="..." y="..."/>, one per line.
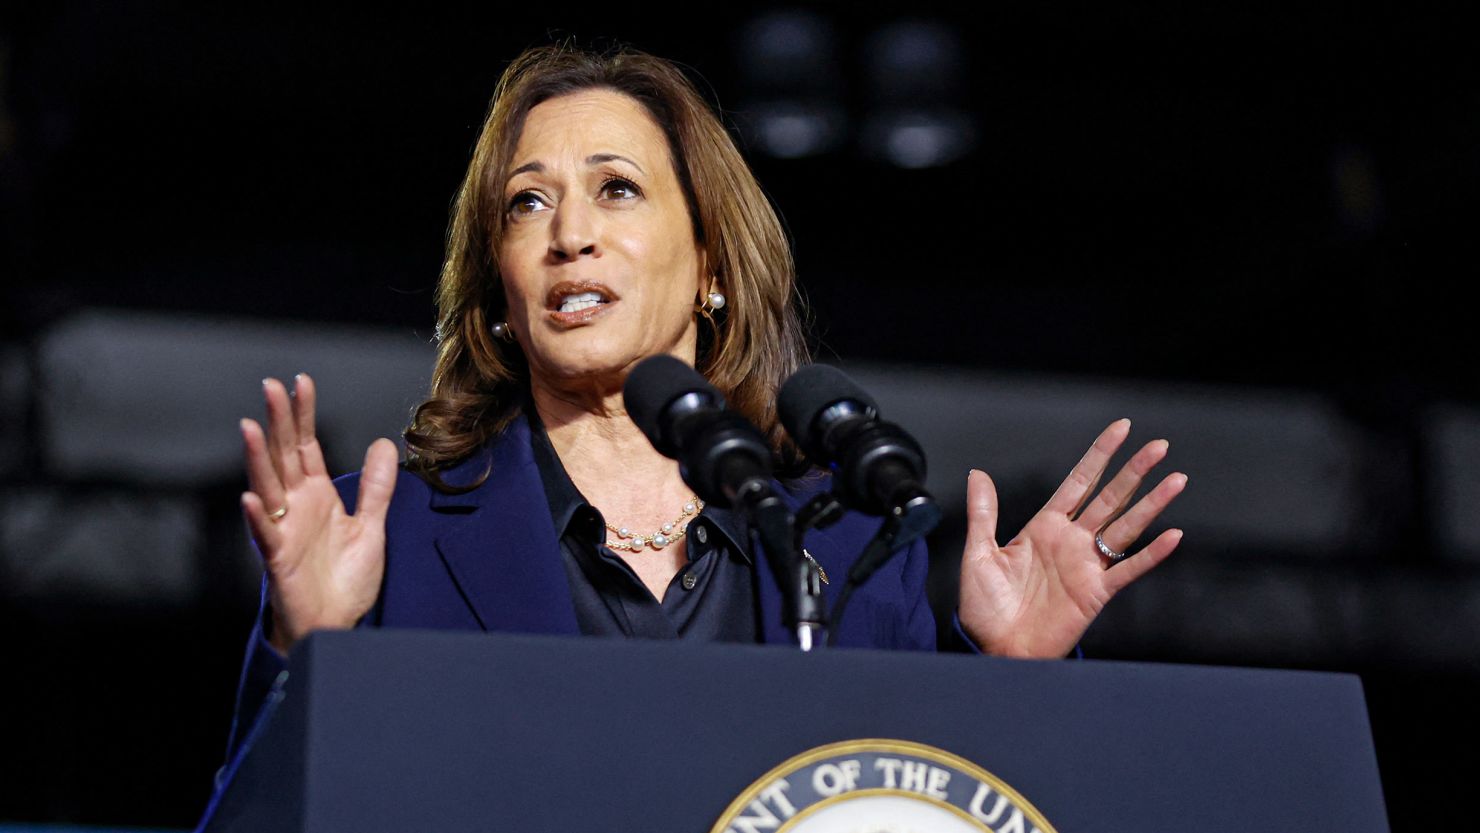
<point x="1278" y="203"/>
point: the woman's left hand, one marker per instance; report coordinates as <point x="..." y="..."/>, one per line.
<point x="1036" y="595"/>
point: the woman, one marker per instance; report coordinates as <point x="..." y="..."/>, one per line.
<point x="607" y="217"/>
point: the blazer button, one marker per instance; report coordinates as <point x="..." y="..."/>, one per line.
<point x="689" y="580"/>
<point x="702" y="534"/>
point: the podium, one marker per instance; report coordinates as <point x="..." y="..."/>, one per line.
<point x="434" y="731"/>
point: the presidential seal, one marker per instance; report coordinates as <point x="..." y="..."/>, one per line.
<point x="880" y="786"/>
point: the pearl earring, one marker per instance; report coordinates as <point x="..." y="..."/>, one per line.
<point x="501" y="331"/>
<point x="714" y="300"/>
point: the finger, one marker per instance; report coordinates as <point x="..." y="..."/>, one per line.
<point x="282" y="436"/>
<point x="981" y="512"/>
<point x="1081" y="482"/>
<point x="1123" y="532"/>
<point x="305" y="401"/>
<point x="1112" y="499"/>
<point x="262" y="477"/>
<point x="1141" y="563"/>
<point x="268" y="537"/>
<point x="377" y="481"/>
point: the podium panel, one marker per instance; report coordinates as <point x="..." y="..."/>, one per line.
<point x="413" y="730"/>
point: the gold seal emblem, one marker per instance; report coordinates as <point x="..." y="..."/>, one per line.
<point x="878" y="785"/>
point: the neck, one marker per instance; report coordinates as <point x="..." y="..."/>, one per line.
<point x="607" y="457"/>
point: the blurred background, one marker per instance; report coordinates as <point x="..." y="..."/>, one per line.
<point x="1248" y="232"/>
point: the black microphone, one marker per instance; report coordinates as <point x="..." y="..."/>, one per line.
<point x="727" y="462"/>
<point x="723" y="458"/>
<point x="878" y="468"/>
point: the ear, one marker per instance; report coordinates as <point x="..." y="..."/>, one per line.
<point x="708" y="280"/>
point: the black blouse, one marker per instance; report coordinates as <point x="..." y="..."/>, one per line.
<point x="712" y="598"/>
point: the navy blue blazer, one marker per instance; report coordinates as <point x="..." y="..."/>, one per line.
<point x="489" y="560"/>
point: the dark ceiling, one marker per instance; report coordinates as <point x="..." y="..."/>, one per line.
<point x="1270" y="200"/>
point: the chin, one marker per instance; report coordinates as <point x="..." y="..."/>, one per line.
<point x="593" y="352"/>
<point x="583" y="358"/>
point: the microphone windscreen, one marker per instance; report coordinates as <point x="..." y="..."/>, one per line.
<point x="653" y="385"/>
<point x="807" y="393"/>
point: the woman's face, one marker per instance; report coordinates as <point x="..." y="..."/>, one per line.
<point x="599" y="261"/>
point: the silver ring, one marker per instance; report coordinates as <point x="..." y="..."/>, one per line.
<point x="1106" y="551"/>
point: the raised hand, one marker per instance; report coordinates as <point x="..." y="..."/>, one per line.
<point x="324" y="565"/>
<point x="1036" y="595"/>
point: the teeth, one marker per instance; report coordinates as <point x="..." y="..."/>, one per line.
<point x="578" y="302"/>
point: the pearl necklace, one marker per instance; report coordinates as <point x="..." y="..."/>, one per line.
<point x="669" y="533"/>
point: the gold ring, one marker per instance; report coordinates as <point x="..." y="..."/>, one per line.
<point x="278" y="515"/>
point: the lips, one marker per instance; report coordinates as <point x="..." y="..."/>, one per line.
<point x="577" y="302"/>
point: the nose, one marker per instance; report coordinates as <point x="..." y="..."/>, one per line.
<point x="574" y="231"/>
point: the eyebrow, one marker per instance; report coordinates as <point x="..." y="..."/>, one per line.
<point x="595" y="159"/>
<point x="599" y="158"/>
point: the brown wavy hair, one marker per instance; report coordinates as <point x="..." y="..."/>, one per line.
<point x="480" y="383"/>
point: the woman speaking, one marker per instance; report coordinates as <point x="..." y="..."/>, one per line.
<point x="607" y="217"/>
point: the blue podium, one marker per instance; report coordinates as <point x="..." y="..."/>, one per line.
<point x="431" y="731"/>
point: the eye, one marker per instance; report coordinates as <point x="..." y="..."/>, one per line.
<point x="525" y="203"/>
<point x="618" y="188"/>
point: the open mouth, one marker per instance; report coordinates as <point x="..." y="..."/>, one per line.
<point x="575" y="302"/>
<point x="578" y="301"/>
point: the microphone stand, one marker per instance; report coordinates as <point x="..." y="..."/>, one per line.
<point x="804" y="607"/>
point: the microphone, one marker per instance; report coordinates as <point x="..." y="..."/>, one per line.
<point x="727" y="461"/>
<point x="878" y="468"/>
<point x="723" y="458"/>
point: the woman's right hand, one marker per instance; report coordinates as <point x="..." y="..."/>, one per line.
<point x="324" y="566"/>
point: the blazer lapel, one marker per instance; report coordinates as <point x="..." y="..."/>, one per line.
<point x="499" y="543"/>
